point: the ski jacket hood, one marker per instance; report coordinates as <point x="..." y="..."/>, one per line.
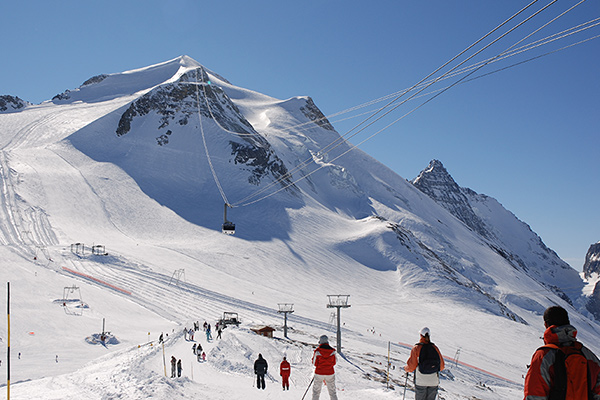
<point x="324" y="359"/>
<point x="564" y="335"/>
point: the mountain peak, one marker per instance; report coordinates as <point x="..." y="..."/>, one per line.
<point x="437" y="183"/>
<point x="435" y="175"/>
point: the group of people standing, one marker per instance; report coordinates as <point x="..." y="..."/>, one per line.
<point x="561" y="369"/>
<point x="324" y="360"/>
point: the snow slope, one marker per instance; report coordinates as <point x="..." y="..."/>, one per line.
<point x="96" y="166"/>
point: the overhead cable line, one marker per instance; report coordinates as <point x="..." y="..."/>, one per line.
<point x="212" y="169"/>
<point x="540" y="42"/>
<point x="342" y="139"/>
<point x="210" y="110"/>
<point x="416" y="108"/>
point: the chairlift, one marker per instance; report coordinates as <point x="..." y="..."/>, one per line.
<point x="228" y="226"/>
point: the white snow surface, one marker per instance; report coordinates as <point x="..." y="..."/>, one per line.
<point x="68" y="179"/>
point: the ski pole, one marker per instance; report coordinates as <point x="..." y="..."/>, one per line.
<point x="405" y="384"/>
<point x="311" y="382"/>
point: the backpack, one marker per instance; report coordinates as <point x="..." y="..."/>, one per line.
<point x="571" y="375"/>
<point x="429" y="359"/>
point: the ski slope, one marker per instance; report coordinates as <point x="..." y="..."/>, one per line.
<point x="352" y="228"/>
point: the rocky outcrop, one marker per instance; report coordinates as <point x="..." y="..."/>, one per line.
<point x="592" y="262"/>
<point x="312" y="112"/>
<point x="11" y="103"/>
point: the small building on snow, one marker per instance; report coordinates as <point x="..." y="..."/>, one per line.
<point x="264" y="331"/>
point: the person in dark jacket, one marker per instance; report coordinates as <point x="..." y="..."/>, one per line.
<point x="173" y="366"/>
<point x="179" y="368"/>
<point x="260" y="369"/>
<point x="559" y="333"/>
<point x="324" y="359"/>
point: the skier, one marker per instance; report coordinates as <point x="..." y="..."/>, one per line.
<point x="543" y="381"/>
<point x="203" y="356"/>
<point x="260" y="369"/>
<point x="191" y="334"/>
<point x="205" y="325"/>
<point x="160" y="339"/>
<point x="284" y="372"/>
<point x="194" y="349"/>
<point x="219" y="331"/>
<point x="208" y="335"/>
<point x="179" y="368"/>
<point x="198" y="352"/>
<point x="173" y="366"/>
<point x="427" y="362"/>
<point x="324" y="359"/>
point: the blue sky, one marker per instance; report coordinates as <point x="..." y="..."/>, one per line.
<point x="528" y="136"/>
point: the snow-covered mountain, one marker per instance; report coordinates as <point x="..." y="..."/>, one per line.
<point x="510" y="237"/>
<point x="144" y="161"/>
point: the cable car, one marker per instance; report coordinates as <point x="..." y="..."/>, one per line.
<point x="228" y="227"/>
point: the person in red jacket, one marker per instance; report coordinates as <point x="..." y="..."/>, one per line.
<point x="324" y="359"/>
<point x="284" y="370"/>
<point x="559" y="333"/>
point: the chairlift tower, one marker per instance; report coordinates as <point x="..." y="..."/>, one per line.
<point x="177" y="276"/>
<point x="285" y="309"/>
<point x="338" y="301"/>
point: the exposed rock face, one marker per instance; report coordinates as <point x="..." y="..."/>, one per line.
<point x="314" y="114"/>
<point x="11" y="103"/>
<point x="437" y="183"/>
<point x="592" y="263"/>
<point x="593" y="304"/>
<point x="177" y="102"/>
<point x="95" y="79"/>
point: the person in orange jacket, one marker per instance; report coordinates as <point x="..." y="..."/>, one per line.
<point x="285" y="370"/>
<point x="427" y="365"/>
<point x="324" y="359"/>
<point x="559" y="333"/>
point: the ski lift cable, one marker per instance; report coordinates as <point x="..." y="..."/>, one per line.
<point x="450" y="61"/>
<point x="342" y="139"/>
<point x="548" y="39"/>
<point x="210" y="110"/>
<point x="352" y="147"/>
<point x="212" y="168"/>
